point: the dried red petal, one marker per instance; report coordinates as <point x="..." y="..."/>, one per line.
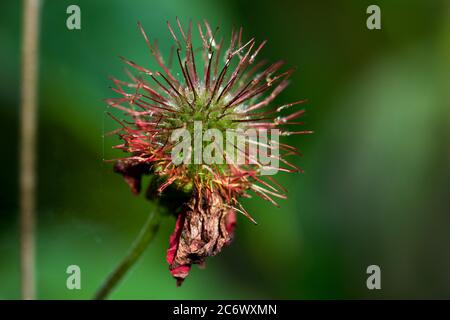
<point x="175" y="239"/>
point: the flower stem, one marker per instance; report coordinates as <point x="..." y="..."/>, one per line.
<point x="146" y="235"/>
<point x="28" y="123"/>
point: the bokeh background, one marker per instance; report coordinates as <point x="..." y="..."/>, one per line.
<point x="377" y="170"/>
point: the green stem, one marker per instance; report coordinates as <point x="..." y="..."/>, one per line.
<point x="138" y="247"/>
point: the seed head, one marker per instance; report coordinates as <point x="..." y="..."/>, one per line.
<point x="219" y="86"/>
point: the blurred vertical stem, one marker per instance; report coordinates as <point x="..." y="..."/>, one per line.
<point x="30" y="61"/>
<point x="146" y="235"/>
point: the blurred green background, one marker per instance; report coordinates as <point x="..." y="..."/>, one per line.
<point x="377" y="170"/>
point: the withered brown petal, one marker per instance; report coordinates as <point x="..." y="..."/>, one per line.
<point x="206" y="226"/>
